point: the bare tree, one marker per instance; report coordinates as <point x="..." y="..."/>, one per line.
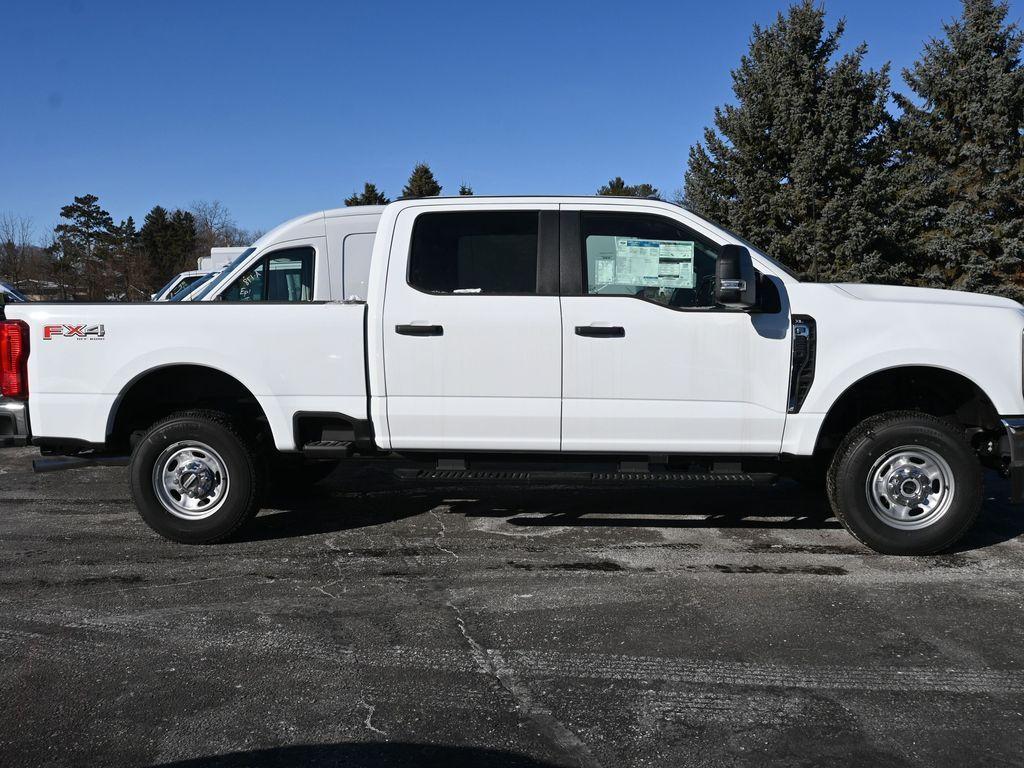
<point x="216" y="227"/>
<point x="15" y="247"/>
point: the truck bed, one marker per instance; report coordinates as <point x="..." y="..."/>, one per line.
<point x="290" y="357"/>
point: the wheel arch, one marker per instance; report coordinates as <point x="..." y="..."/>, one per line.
<point x="163" y="389"/>
<point x="932" y="389"/>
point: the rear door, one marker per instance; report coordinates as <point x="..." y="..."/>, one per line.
<point x="472" y="329"/>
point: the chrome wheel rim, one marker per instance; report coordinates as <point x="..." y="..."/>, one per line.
<point x="191" y="480"/>
<point x="910" y="488"/>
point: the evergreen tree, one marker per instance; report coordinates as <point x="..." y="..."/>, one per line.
<point x="126" y="255"/>
<point x="801" y="164"/>
<point x="421" y="183"/>
<point x="962" y="153"/>
<point x="369" y="196"/>
<point x="465" y="190"/>
<point x="169" y="242"/>
<point x="618" y="188"/>
<point x="80" y="249"/>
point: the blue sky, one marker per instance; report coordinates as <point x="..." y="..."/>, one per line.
<point x="277" y="109"/>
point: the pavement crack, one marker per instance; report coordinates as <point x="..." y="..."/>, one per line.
<point x="323" y="590"/>
<point x="441" y="534"/>
<point x="491" y="662"/>
<point x="369" y="718"/>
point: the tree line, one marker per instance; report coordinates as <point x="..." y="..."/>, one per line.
<point x="818" y="160"/>
<point x="421" y="183"/>
<point x="91" y="257"/>
<point x="811" y="164"/>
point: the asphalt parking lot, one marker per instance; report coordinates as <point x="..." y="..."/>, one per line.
<point x="372" y="623"/>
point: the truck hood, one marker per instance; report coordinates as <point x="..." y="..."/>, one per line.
<point x="905" y="295"/>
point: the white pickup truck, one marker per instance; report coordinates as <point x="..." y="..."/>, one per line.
<point x="528" y="340"/>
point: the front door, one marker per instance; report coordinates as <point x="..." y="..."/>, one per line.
<point x="650" y="365"/>
<point x="472" y="344"/>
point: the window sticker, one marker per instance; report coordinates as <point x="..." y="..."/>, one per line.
<point x="649" y="263"/>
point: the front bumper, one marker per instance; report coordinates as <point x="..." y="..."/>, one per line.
<point x="1014" y="427"/>
<point x="14" y="429"/>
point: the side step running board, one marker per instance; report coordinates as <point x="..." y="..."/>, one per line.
<point x="328" y="449"/>
<point x="654" y="479"/>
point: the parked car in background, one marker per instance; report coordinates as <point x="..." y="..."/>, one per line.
<point x="192" y="290"/>
<point x="529" y="340"/>
<point x="11" y="293"/>
<point x="179" y="281"/>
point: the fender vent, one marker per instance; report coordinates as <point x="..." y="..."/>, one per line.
<point x="805" y="349"/>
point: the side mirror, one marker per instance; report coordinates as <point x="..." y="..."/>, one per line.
<point x="735" y="280"/>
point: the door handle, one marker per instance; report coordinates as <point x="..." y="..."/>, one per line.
<point x="419" y="330"/>
<point x="601" y="331"/>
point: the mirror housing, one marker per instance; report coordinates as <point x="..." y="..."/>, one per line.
<point x="735" y="279"/>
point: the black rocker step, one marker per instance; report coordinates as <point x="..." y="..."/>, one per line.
<point x="327" y="449"/>
<point x="547" y="477"/>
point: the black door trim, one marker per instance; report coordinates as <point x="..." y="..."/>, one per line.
<point x="570" y="259"/>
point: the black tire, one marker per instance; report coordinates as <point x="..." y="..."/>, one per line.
<point x="241" y="493"/>
<point x="863" y="455"/>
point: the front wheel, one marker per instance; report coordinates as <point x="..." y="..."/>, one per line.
<point x="906" y="483"/>
<point x="194" y="478"/>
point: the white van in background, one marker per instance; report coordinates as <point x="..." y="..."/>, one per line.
<point x="218" y="259"/>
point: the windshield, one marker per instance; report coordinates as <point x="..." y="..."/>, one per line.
<point x="218" y="279"/>
<point x="167" y="286"/>
<point x="184" y="291"/>
<point x="5" y="288"/>
<point x="750" y="246"/>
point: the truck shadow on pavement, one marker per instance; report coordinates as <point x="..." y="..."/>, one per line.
<point x="363" y="755"/>
<point x="347" y="501"/>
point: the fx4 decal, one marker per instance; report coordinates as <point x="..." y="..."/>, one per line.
<point x="73" y="332"/>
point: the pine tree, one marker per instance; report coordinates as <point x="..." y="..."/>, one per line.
<point x="962" y="153"/>
<point x="421" y="183"/>
<point x="80" y="248"/>
<point x="465" y="190"/>
<point x="369" y="196"/>
<point x="126" y="255"/>
<point x="801" y="164"/>
<point x="168" y="240"/>
<point x="618" y="188"/>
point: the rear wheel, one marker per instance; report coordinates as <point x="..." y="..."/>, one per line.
<point x="906" y="483"/>
<point x="193" y="478"/>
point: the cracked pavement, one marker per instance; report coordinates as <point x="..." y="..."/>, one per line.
<point x="367" y="622"/>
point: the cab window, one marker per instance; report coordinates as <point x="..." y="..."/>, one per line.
<point x="285" y="275"/>
<point x="648" y="257"/>
<point x="477" y="252"/>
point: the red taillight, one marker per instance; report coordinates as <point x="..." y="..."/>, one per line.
<point x="14" y="359"/>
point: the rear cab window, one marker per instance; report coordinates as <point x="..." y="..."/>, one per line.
<point x="475" y="253"/>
